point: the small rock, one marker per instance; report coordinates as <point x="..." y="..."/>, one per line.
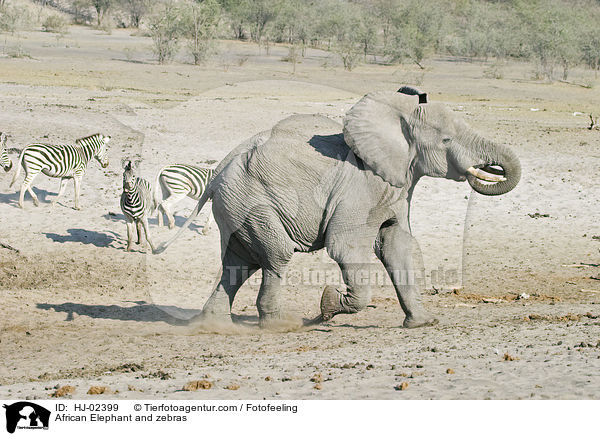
<point x="268" y="378"/>
<point x="98" y="390"/>
<point x="449" y="371"/>
<point x="509" y="358"/>
<point x="232" y="387"/>
<point x="317" y="378"/>
<point x="318" y="386"/>
<point x="64" y="390"/>
<point x="402" y="386"/>
<point x="197" y="384"/>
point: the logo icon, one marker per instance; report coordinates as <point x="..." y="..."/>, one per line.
<point x="26" y="415"/>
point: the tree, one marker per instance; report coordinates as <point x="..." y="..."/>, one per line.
<point x="101" y="7"/>
<point x="550" y="34"/>
<point x="235" y="10"/>
<point x="200" y="25"/>
<point x="415" y="31"/>
<point x="260" y="13"/>
<point x="136" y="9"/>
<point x="166" y="27"/>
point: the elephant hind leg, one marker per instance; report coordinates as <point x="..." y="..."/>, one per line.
<point x="235" y="271"/>
<point x="268" y="303"/>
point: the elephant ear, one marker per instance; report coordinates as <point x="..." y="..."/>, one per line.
<point x="376" y="130"/>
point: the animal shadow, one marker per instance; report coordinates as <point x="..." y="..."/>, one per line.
<point x="85" y="237"/>
<point x="13" y="198"/>
<point x="142" y="311"/>
<point x="179" y="221"/>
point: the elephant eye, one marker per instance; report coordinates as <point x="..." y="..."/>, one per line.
<point x="447" y="140"/>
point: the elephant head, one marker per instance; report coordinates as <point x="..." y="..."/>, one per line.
<point x="402" y="140"/>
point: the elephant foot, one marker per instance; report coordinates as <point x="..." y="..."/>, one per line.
<point x="214" y="319"/>
<point x="330" y="303"/>
<point x="277" y="323"/>
<point x="411" y="322"/>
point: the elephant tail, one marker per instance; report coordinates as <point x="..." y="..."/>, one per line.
<point x="206" y="195"/>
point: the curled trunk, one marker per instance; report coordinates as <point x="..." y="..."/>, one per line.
<point x="497" y="156"/>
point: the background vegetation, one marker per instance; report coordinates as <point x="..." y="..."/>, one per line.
<point x="555" y="35"/>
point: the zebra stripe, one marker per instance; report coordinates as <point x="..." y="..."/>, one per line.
<point x="63" y="161"/>
<point x="185" y="179"/>
<point x="136" y="199"/>
<point x="4" y="159"/>
<point x="175" y="182"/>
<point x="137" y="204"/>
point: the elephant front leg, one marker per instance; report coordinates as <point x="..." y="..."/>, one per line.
<point x="396" y="249"/>
<point x="358" y="291"/>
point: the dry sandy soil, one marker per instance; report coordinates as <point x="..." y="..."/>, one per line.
<point x="78" y="310"/>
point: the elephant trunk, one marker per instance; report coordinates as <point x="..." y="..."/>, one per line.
<point x="491" y="169"/>
<point x="500" y="172"/>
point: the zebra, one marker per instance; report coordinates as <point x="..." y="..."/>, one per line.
<point x="174" y="183"/>
<point x="64" y="161"/>
<point x="4" y="159"/>
<point x="137" y="203"/>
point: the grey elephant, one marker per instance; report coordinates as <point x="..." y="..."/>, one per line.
<point x="309" y="183"/>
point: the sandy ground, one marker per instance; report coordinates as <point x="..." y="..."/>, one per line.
<point x="78" y="310"/>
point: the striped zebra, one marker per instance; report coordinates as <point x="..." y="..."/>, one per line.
<point x="4" y="159"/>
<point x="137" y="203"/>
<point x="174" y="183"/>
<point x="64" y="161"/>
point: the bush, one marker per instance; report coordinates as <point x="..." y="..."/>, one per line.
<point x="165" y="28"/>
<point x="199" y="26"/>
<point x="14" y="19"/>
<point x="56" y="24"/>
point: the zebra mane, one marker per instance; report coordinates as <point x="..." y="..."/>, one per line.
<point x="85" y="139"/>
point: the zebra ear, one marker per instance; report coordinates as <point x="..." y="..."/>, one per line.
<point x="125" y="164"/>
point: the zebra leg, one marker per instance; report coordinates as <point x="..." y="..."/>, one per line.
<point x="26" y="186"/>
<point x="209" y="221"/>
<point x="160" y="210"/>
<point x="61" y="189"/>
<point x="129" y="232"/>
<point x="138" y="225"/>
<point x="168" y="204"/>
<point x="147" y="232"/>
<point x="77" y="183"/>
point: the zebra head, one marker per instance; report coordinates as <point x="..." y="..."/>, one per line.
<point x="4" y="159"/>
<point x="95" y="145"/>
<point x="130" y="175"/>
<point x="102" y="154"/>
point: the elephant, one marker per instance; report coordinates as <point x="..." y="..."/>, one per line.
<point x="310" y="183"/>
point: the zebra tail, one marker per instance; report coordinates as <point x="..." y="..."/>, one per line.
<point x="206" y="195"/>
<point x="18" y="170"/>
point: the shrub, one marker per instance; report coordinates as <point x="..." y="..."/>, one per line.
<point x="56" y="24"/>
